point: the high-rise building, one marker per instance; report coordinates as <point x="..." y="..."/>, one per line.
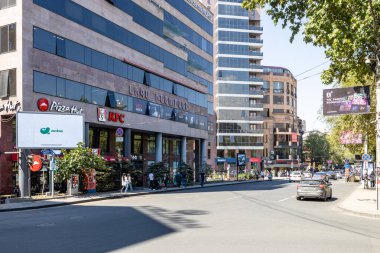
<point x="238" y="92"/>
<point x="150" y="62"/>
<point x="283" y="129"/>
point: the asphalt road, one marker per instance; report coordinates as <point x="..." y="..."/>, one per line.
<point x="256" y="217"/>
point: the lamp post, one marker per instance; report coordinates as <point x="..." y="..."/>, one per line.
<point x="375" y="62"/>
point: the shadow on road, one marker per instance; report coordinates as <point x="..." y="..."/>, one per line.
<point x="88" y="228"/>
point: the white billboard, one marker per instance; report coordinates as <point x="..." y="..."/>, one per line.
<point x="48" y="130"/>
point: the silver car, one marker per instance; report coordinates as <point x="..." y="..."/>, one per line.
<point x="316" y="189"/>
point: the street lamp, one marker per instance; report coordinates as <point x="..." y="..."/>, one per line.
<point x="375" y="64"/>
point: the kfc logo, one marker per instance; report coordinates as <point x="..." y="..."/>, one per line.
<point x="104" y="115"/>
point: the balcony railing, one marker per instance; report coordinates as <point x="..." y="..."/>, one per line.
<point x="257" y="28"/>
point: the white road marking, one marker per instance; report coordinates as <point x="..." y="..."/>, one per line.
<point x="283" y="199"/>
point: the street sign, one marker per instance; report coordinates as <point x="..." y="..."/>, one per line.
<point x="347" y="166"/>
<point x="366" y="157"/>
<point x="47" y="152"/>
<point x="119" y="132"/>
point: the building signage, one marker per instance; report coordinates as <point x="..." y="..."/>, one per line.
<point x="10" y="106"/>
<point x="104" y="115"/>
<point x="48" y="130"/>
<point x="352" y="100"/>
<point x="43" y="105"/>
<point x="255" y="160"/>
<point x="294" y="137"/>
<point x="119" y="132"/>
<point x="144" y="93"/>
<point x="197" y="5"/>
<point x="241" y="160"/>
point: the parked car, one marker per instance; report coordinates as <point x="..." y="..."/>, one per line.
<point x="321" y="175"/>
<point x="312" y="188"/>
<point x="307" y="174"/>
<point x="296" y="176"/>
<point x="332" y="175"/>
<point x="338" y="174"/>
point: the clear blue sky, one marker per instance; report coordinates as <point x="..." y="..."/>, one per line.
<point x="297" y="57"/>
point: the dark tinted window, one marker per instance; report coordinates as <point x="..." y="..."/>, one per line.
<point x="44" y="40"/>
<point x="74" y="90"/>
<point x="44" y="83"/>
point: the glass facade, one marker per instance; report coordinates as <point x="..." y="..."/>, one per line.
<point x="7" y="38"/>
<point x="240" y="95"/>
<point x="60" y="87"/>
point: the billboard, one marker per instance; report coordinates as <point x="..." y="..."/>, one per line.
<point x="241" y="160"/>
<point x="350" y="138"/>
<point x="48" y="130"/>
<point x="294" y="137"/>
<point x="349" y="100"/>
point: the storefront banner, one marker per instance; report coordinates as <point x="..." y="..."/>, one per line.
<point x="255" y="160"/>
<point x="352" y="100"/>
<point x="294" y="137"/>
<point x="48" y="130"/>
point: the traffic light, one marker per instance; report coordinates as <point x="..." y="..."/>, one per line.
<point x="29" y="160"/>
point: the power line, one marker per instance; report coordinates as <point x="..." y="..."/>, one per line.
<point x="310" y="76"/>
<point x="312" y="68"/>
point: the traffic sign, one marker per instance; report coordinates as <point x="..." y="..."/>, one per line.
<point x="47" y="152"/>
<point x="366" y="157"/>
<point x="347" y="165"/>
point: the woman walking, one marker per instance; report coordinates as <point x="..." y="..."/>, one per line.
<point x="123" y="183"/>
<point x="128" y="183"/>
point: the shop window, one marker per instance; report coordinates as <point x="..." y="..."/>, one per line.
<point x="176" y="147"/>
<point x="7" y="83"/>
<point x="137" y="144"/>
<point x="103" y="141"/>
<point x="151" y="145"/>
<point x="165" y="146"/>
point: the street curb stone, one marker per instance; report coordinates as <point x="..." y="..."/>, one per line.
<point x="124" y="196"/>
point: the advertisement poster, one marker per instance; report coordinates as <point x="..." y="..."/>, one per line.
<point x="154" y="110"/>
<point x="350" y="138"/>
<point x="294" y="137"/>
<point x="241" y="160"/>
<point x="349" y="100"/>
<point x="139" y="106"/>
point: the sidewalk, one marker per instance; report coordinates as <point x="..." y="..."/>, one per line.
<point x="362" y="202"/>
<point x="69" y="200"/>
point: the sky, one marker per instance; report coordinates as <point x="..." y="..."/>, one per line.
<point x="298" y="57"/>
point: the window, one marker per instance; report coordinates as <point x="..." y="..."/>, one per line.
<point x="7" y="83"/>
<point x="44" y="83"/>
<point x="7" y="38"/>
<point x="44" y="40"/>
<point x="278" y="87"/>
<point x="165" y="146"/>
<point x="7" y="3"/>
<point x="137" y="144"/>
<point x="151" y="145"/>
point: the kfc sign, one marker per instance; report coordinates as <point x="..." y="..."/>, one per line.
<point x="104" y="115"/>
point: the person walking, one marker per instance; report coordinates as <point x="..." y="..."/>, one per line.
<point x="128" y="183"/>
<point x="372" y="179"/>
<point x="178" y="179"/>
<point x="166" y="181"/>
<point x="151" y="180"/>
<point x="184" y="180"/>
<point x="202" y="178"/>
<point x="123" y="183"/>
<point x="365" y="179"/>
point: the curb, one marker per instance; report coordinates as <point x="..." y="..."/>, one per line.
<point x="125" y="196"/>
<point x="358" y="213"/>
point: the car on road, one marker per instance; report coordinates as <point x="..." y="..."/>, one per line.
<point x="332" y="175"/>
<point x="314" y="188"/>
<point x="338" y="174"/>
<point x="307" y="174"/>
<point x="321" y="175"/>
<point x="296" y="176"/>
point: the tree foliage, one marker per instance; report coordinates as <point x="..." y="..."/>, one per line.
<point x="185" y="169"/>
<point x="318" y="147"/>
<point x="78" y="161"/>
<point x="347" y="29"/>
<point x="159" y="169"/>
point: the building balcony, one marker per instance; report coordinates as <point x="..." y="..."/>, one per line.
<point x="242" y="118"/>
<point x="255" y="79"/>
<point x="256" y="92"/>
<point x="255" y="28"/>
<point x="256" y="105"/>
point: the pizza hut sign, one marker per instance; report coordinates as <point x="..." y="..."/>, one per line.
<point x="44" y="105"/>
<point x="104" y="115"/>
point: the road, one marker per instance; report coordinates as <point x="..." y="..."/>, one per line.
<point x="256" y="217"/>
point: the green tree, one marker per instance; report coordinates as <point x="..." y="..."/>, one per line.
<point x="348" y="30"/>
<point x="80" y="160"/>
<point x="185" y="169"/>
<point x="318" y="146"/>
<point x="159" y="169"/>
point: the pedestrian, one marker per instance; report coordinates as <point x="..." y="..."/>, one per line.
<point x="128" y="183"/>
<point x="166" y="181"/>
<point x="123" y="182"/>
<point x="184" y="180"/>
<point x="151" y="180"/>
<point x="178" y="179"/>
<point x="262" y="175"/>
<point x="365" y="179"/>
<point x="202" y="178"/>
<point x="372" y="179"/>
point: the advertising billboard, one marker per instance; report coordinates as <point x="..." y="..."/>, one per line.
<point x="48" y="130"/>
<point x="241" y="160"/>
<point x="351" y="100"/>
<point x="350" y="138"/>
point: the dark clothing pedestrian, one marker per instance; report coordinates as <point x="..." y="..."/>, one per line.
<point x="372" y="179"/>
<point x="166" y="181"/>
<point x="202" y="178"/>
<point x="178" y="179"/>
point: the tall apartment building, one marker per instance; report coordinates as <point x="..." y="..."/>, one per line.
<point x="238" y="92"/>
<point x="283" y="129"/>
<point x="151" y="62"/>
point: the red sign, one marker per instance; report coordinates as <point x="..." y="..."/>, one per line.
<point x="255" y="160"/>
<point x="36" y="163"/>
<point x="104" y="115"/>
<point x="294" y="137"/>
<point x="43" y="104"/>
<point x="89" y="182"/>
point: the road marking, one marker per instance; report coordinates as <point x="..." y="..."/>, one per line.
<point x="234" y="198"/>
<point x="283" y="199"/>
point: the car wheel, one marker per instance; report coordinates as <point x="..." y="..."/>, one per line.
<point x="325" y="197"/>
<point x="298" y="198"/>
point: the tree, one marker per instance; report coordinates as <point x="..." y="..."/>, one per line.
<point x="159" y="169"/>
<point x="318" y="146"/>
<point x="347" y="29"/>
<point x="185" y="169"/>
<point x="80" y="160"/>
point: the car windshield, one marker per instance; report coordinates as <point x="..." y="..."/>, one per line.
<point x="311" y="182"/>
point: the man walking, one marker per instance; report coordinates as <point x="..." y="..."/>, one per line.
<point x="151" y="180"/>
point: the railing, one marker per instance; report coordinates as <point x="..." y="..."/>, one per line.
<point x="257" y="28"/>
